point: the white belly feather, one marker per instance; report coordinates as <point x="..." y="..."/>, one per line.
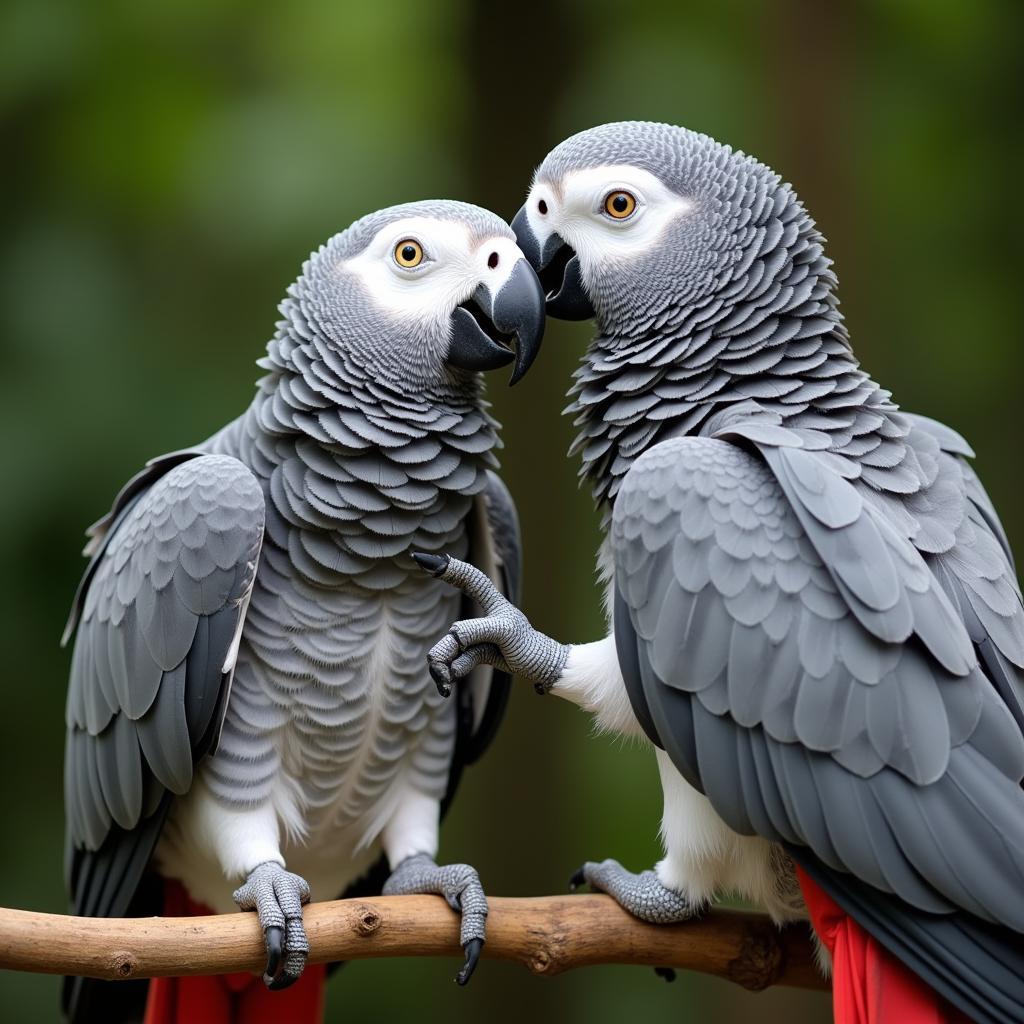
<point x="704" y="858"/>
<point x="330" y="843"/>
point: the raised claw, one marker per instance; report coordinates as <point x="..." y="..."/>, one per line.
<point x="478" y="654"/>
<point x="492" y="629"/>
<point x="466" y="577"/>
<point x="518" y="647"/>
<point x="442" y="677"/>
<point x="439" y="662"/>
<point x="434" y="564"/>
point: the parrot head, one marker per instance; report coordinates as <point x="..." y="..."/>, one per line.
<point x="424" y="293"/>
<point x="629" y="221"/>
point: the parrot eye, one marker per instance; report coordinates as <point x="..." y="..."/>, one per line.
<point x="619" y="204"/>
<point x="408" y="253"/>
<point x="542" y="207"/>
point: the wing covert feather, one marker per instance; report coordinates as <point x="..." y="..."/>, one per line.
<point x="157" y="611"/>
<point x="767" y="673"/>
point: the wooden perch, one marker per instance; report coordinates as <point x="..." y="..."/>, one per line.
<point x="547" y="934"/>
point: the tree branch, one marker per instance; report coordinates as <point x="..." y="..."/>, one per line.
<point x="548" y="935"/>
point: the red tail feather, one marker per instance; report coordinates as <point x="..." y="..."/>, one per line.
<point x="229" y="998"/>
<point x="869" y="985"/>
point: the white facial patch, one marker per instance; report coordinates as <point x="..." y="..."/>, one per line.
<point x="577" y="212"/>
<point x="451" y="268"/>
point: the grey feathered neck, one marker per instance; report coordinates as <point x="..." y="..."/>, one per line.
<point x="741" y="317"/>
<point x="359" y="466"/>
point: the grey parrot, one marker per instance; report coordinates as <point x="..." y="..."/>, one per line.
<point x="250" y="717"/>
<point x="813" y="609"/>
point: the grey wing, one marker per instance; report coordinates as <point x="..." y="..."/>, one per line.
<point x="159" y="616"/>
<point x="803" y="668"/>
<point x="496" y="549"/>
<point x="99" y="533"/>
<point x="954" y="446"/>
<point x="979" y="576"/>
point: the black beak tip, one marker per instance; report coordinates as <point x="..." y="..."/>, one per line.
<point x="517" y="314"/>
<point x="570" y="301"/>
<point x="525" y="238"/>
<point x="526" y="354"/>
<point x="519" y="309"/>
<point x="567" y="299"/>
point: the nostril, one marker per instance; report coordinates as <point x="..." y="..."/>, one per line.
<point x="492" y="260"/>
<point x="542" y="207"/>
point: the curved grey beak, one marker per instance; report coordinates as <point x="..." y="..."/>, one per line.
<point x="559" y="269"/>
<point x="492" y="330"/>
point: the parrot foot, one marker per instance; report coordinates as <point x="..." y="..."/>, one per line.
<point x="460" y="885"/>
<point x="641" y="895"/>
<point x="503" y="637"/>
<point x="278" y="896"/>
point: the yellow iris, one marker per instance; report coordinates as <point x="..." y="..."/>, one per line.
<point x="408" y="253"/>
<point x="619" y="204"/>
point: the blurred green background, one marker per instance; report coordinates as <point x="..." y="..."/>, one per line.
<point x="167" y="166"/>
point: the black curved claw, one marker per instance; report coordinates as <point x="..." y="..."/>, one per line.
<point x="668" y="973"/>
<point x="274" y="938"/>
<point x="472" y="950"/>
<point x="282" y="981"/>
<point x="434" y="564"/>
<point x="577" y="879"/>
<point x="442" y="679"/>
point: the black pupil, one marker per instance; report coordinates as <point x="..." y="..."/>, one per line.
<point x="409" y="253"/>
<point x="542" y="206"/>
<point x="620" y="203"/>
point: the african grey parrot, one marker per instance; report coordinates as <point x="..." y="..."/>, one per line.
<point x="249" y="705"/>
<point x="814" y="614"/>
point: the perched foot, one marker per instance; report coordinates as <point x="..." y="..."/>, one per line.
<point x="277" y="896"/>
<point x="460" y="885"/>
<point x="642" y="895"/>
<point x="503" y="637"/>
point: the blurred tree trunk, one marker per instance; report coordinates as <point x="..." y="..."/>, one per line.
<point x="519" y="64"/>
<point x="815" y="82"/>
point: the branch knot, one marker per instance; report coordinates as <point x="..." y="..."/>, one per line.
<point x="124" y="964"/>
<point x="760" y="960"/>
<point x="367" y="920"/>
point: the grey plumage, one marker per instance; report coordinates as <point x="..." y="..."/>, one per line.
<point x="147" y="665"/>
<point x="292" y="524"/>
<point x="816" y="612"/>
<point x="883" y="725"/>
<point x="798" y="600"/>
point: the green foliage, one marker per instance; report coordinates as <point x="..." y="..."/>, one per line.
<point x="166" y="168"/>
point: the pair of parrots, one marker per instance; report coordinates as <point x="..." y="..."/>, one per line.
<point x="813" y="614"/>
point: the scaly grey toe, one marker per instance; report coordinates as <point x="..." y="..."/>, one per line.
<point x="278" y="896"/>
<point x="460" y="885"/>
<point x="641" y="895"/>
